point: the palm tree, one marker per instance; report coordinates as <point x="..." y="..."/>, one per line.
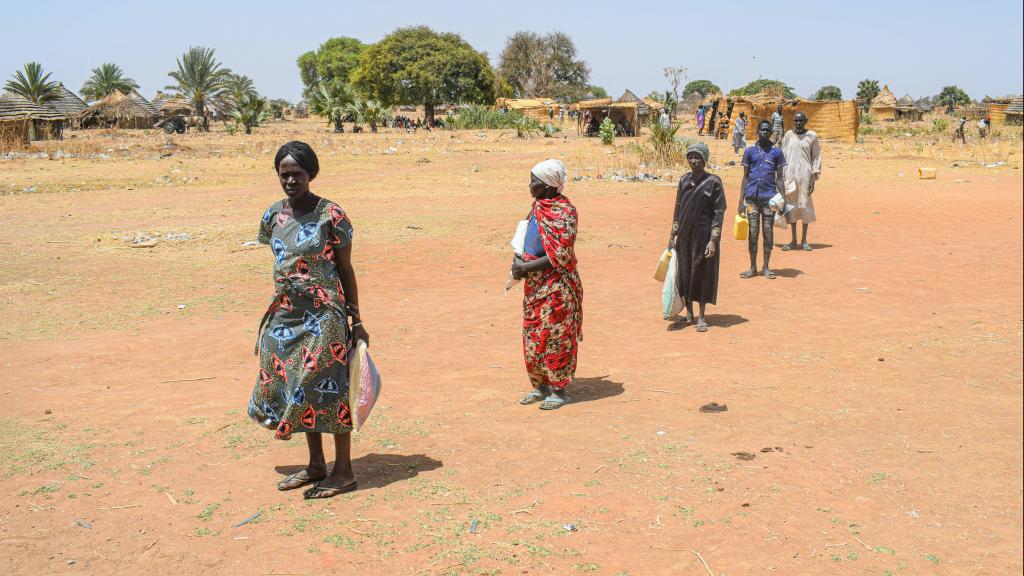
<point x="104" y="80"/>
<point x="237" y="87"/>
<point x="33" y="85"/>
<point x="201" y="80"/>
<point x="866" y="92"/>
<point x="330" y="99"/>
<point x="374" y="113"/>
<point x="250" y="111"/>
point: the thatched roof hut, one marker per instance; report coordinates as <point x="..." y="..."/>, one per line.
<point x="628" y="96"/>
<point x="153" y="108"/>
<point x="884" y="106"/>
<point x="995" y="109"/>
<point x="831" y="120"/>
<point x="22" y="120"/>
<point x="536" y="108"/>
<point x="1015" y="111"/>
<point x="68" y="104"/>
<point x="625" y="115"/>
<point x="175" y="106"/>
<point x="907" y="109"/>
<point x="118" y="110"/>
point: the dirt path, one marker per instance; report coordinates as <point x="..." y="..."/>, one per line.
<point x="876" y="382"/>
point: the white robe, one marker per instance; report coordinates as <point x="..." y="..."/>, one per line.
<point x="803" y="166"/>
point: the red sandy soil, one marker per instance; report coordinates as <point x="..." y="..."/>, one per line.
<point x="882" y="370"/>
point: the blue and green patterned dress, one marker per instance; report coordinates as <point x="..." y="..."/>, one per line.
<point x="304" y="337"/>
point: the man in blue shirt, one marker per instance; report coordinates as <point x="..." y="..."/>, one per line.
<point x="762" y="179"/>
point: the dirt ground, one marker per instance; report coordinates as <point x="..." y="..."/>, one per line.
<point x="877" y="382"/>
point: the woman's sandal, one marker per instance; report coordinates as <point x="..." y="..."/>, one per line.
<point x="531" y="398"/>
<point x="702" y="326"/>
<point x="289" y="482"/>
<point x="788" y="247"/>
<point x="554" y="402"/>
<point x="768" y="274"/>
<point x="318" y="491"/>
<point x="807" y="247"/>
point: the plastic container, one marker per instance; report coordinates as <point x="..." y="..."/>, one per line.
<point x="662" y="269"/>
<point x="926" y="173"/>
<point x="740" y="227"/>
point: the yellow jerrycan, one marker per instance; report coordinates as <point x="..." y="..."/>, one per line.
<point x="740" y="227"/>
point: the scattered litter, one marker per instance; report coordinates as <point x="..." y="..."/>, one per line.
<point x="83" y="523"/>
<point x="745" y="456"/>
<point x="995" y="165"/>
<point x="181" y="306"/>
<point x="71" y="561"/>
<point x="250" y="243"/>
<point x="570" y="527"/>
<point x="714" y="407"/>
<point x="247" y="520"/>
<point x="913" y="514"/>
<point x="660" y="432"/>
<point x="411" y="227"/>
<point x="474" y="527"/>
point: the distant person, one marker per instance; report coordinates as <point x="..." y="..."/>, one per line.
<point x="696" y="231"/>
<point x="553" y="293"/>
<point x="723" y="127"/>
<point x="700" y="121"/>
<point x="802" y="151"/>
<point x="739" y="133"/>
<point x="551" y="114"/>
<point x="959" y="132"/>
<point x="303" y="339"/>
<point x="984" y="125"/>
<point x="561" y="115"/>
<point x="762" y="179"/>
<point x="777" y="126"/>
<point x="664" y="120"/>
<point x="713" y="120"/>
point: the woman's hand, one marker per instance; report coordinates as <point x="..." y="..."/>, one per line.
<point x="709" y="252"/>
<point x="517" y="268"/>
<point x="359" y="333"/>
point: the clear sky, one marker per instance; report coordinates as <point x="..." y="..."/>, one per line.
<point x="913" y="46"/>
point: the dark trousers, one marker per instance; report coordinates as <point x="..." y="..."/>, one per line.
<point x="761" y="217"/>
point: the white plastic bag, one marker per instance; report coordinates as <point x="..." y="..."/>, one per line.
<point x="363" y="384"/>
<point x="671" y="302"/>
<point x="519" y="247"/>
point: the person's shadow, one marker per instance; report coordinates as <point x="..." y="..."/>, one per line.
<point x="379" y="470"/>
<point x="714" y="321"/>
<point x="589" y="389"/>
<point x="787" y="272"/>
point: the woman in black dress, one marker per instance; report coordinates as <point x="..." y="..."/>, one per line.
<point x="696" y="231"/>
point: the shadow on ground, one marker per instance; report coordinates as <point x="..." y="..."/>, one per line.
<point x="588" y="389"/>
<point x="714" y="321"/>
<point x="787" y="272"/>
<point x="379" y="470"/>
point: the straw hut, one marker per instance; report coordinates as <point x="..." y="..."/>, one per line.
<point x="23" y="121"/>
<point x="625" y="116"/>
<point x="643" y="109"/>
<point x="906" y="109"/>
<point x="995" y="109"/>
<point x="118" y="110"/>
<point x="153" y="108"/>
<point x="1015" y="112"/>
<point x="67" y="103"/>
<point x="883" y="107"/>
<point x="537" y="108"/>
<point x="832" y="120"/>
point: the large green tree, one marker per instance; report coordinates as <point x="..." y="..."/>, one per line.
<point x="702" y="87"/>
<point x="238" y="88"/>
<point x="335" y="59"/>
<point x="953" y="96"/>
<point x="597" y="91"/>
<point x="828" y="93"/>
<point x="104" y="79"/>
<point x="201" y="80"/>
<point x="866" y="91"/>
<point x="419" y="66"/>
<point x="762" y="85"/>
<point x="536" y="65"/>
<point x="32" y="84"/>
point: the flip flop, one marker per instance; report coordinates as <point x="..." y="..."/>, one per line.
<point x="531" y="398"/>
<point x="285" y="483"/>
<point x="747" y="274"/>
<point x="702" y="326"/>
<point x="807" y="247"/>
<point x="318" y="491"/>
<point x="768" y="274"/>
<point x="554" y="402"/>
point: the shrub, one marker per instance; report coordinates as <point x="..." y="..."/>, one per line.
<point x="607" y="131"/>
<point x="481" y="118"/>
<point x="867" y="119"/>
<point x="940" y="125"/>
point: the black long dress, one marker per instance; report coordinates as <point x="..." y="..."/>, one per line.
<point x="700" y="207"/>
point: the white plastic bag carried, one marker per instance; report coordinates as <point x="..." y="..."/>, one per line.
<point x="671" y="302"/>
<point x="363" y="384"/>
<point x="518" y="246"/>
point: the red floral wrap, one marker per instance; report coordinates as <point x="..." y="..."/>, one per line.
<point x="553" y="299"/>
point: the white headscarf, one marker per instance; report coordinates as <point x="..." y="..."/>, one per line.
<point x="551" y="172"/>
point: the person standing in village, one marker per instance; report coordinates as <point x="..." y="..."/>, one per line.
<point x="763" y="178"/>
<point x="739" y="133"/>
<point x="959" y="132"/>
<point x="777" y="126"/>
<point x="713" y="120"/>
<point x="700" y="120"/>
<point x="696" y="231"/>
<point x="553" y="293"/>
<point x="664" y="120"/>
<point x="802" y="152"/>
<point x="304" y="337"/>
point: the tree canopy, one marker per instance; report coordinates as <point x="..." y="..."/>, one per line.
<point x="104" y="79"/>
<point x="828" y="92"/>
<point x="334" y="59"/>
<point x="536" y="65"/>
<point x="866" y="92"/>
<point x="953" y="94"/>
<point x="597" y="91"/>
<point x="702" y="87"/>
<point x="419" y="66"/>
<point x="200" y="79"/>
<point x="764" y="85"/>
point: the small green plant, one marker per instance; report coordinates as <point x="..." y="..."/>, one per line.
<point x="550" y="130"/>
<point x="940" y="125"/>
<point x="607" y="131"/>
<point x="867" y="119"/>
<point x="932" y="558"/>
<point x="526" y="127"/>
<point x="877" y="477"/>
<point x="207" y="512"/>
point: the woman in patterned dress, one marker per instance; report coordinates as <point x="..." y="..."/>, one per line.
<point x="553" y="293"/>
<point x="304" y="336"/>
